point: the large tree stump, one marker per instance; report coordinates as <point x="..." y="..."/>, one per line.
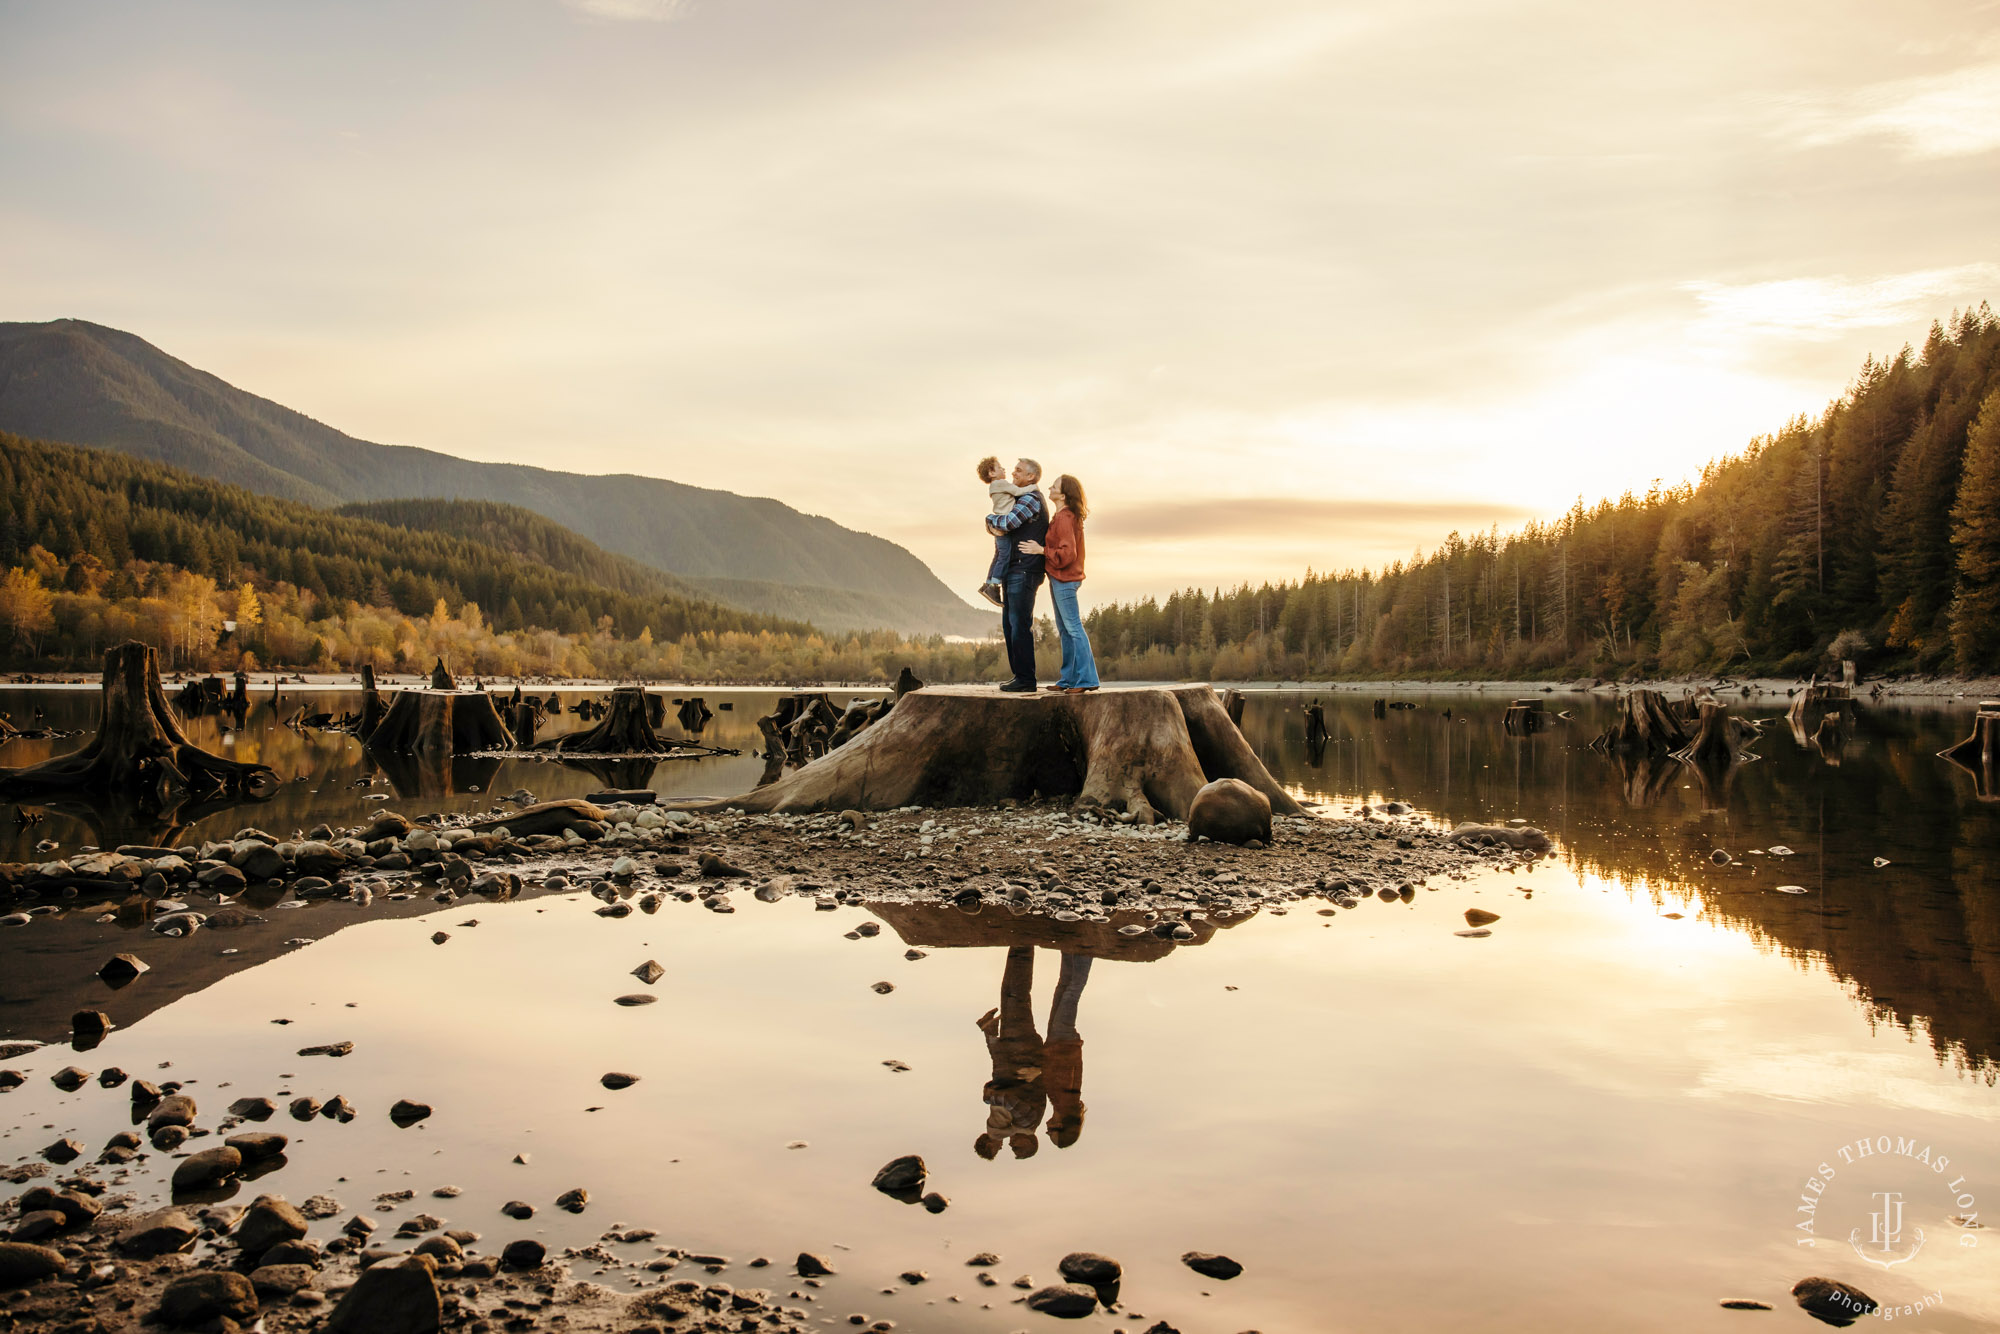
<point x="441" y="678"/>
<point x="1645" y="726"/>
<point x="1714" y="744"/>
<point x="447" y="722"/>
<point x="1144" y="750"/>
<point x="140" y="749"/>
<point x="1524" y="716"/>
<point x="622" y="730"/>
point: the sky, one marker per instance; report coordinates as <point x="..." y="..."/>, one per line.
<point x="1286" y="284"/>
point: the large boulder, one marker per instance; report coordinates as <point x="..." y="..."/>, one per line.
<point x="1229" y="810"/>
<point x="1067" y="1301"/>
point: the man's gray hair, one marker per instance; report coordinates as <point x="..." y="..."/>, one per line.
<point x="1032" y="467"/>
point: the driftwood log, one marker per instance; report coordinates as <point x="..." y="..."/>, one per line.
<point x="448" y="722"/>
<point x="1645" y="725"/>
<point x="1143" y="750"/>
<point x="140" y="750"/>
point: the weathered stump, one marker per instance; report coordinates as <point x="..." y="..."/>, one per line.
<point x="622" y="730"/>
<point x="694" y="715"/>
<point x="1979" y="754"/>
<point x="1232" y="704"/>
<point x="140" y="749"/>
<point x="1524" y="716"/>
<point x="1381" y="708"/>
<point x="906" y="681"/>
<point x="441" y="677"/>
<point x="1817" y="700"/>
<point x="448" y="722"/>
<point x="1645" y="726"/>
<point x="1714" y="742"/>
<point x="1147" y="751"/>
<point x="1316" y="729"/>
<point x="372" y="708"/>
<point x="524" y="723"/>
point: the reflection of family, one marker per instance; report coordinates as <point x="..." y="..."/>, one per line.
<point x="1032" y="1074"/>
<point x="1035" y="538"/>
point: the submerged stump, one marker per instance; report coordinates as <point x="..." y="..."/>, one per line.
<point x="1142" y="750"/>
<point x="441" y="722"/>
<point x="1646" y="725"/>
<point x="622" y="729"/>
<point x="140" y="750"/>
<point x="1979" y="754"/>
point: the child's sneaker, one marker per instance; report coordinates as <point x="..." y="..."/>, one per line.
<point x="991" y="592"/>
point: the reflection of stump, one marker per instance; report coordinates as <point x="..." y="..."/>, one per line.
<point x="448" y="722"/>
<point x="1381" y="708"/>
<point x="1142" y="750"/>
<point x="524" y="722"/>
<point x="140" y="749"/>
<point x="1316" y="730"/>
<point x="1979" y="753"/>
<point x="1524" y="716"/>
<point x="1645" y="726"/>
<point x="1644" y="778"/>
<point x="621" y="730"/>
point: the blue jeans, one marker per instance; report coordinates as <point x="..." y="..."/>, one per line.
<point x="1017" y="616"/>
<point x="1003" y="551"/>
<point x="1079" y="669"/>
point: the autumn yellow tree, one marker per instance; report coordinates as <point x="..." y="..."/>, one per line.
<point x="27" y="608"/>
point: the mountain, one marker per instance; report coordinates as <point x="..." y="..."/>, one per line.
<point x="85" y="384"/>
<point x="102" y="509"/>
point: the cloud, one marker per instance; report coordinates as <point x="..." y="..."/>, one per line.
<point x="1826" y="308"/>
<point x="1260" y="516"/>
<point x="651" y="11"/>
<point x="1936" y="116"/>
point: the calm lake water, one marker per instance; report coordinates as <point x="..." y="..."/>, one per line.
<point x="1605" y="1115"/>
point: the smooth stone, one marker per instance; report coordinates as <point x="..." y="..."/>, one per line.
<point x="1480" y="917"/>
<point x="813" y="1266"/>
<point x="194" y="1299"/>
<point x="391" y="1298"/>
<point x="524" y="1253"/>
<point x="649" y="972"/>
<point x="1090" y="1267"/>
<point x="209" y="1167"/>
<point x="907" y="1173"/>
<point x="519" y="1209"/>
<point x="253" y="1109"/>
<point x="406" y="1113"/>
<point x="636" y="998"/>
<point x="258" y="1145"/>
<point x="1832" y="1301"/>
<point x="164" y="1232"/>
<point x="1211" y="1266"/>
<point x="281" y="1280"/>
<point x="270" y="1219"/>
<point x="175" y="1109"/>
<point x="21" y="1262"/>
<point x="1066" y="1301"/>
<point x="618" y="1080"/>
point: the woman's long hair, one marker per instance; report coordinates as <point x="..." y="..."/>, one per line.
<point x="1073" y="498"/>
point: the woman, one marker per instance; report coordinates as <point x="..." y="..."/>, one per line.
<point x="1063" y="560"/>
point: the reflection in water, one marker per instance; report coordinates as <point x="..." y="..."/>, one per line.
<point x="1917" y="941"/>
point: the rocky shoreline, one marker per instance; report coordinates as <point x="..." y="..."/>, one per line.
<point x="87" y="1252"/>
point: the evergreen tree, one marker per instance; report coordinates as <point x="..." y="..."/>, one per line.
<point x="1975" y="611"/>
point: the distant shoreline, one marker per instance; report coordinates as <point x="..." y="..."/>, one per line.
<point x="1972" y="688"/>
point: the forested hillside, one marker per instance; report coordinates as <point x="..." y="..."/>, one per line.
<point x="85" y="384"/>
<point x="104" y="529"/>
<point x="1872" y="530"/>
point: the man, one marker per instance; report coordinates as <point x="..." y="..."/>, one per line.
<point x="1028" y="521"/>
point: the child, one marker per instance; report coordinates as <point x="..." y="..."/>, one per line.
<point x="1002" y="494"/>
